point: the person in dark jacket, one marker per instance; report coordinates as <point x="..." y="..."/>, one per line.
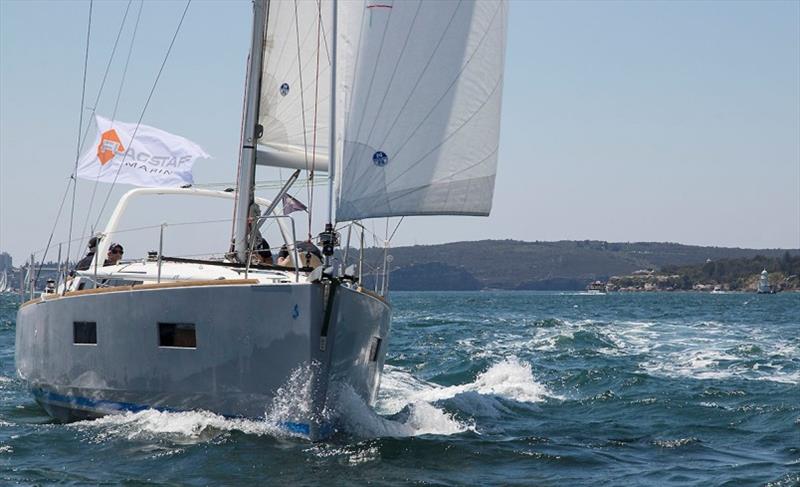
<point x="86" y="262"/>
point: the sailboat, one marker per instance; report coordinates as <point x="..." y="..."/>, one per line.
<point x="403" y="112"/>
<point x="5" y="285"/>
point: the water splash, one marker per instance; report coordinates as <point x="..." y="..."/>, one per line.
<point x="510" y="379"/>
<point x="188" y="427"/>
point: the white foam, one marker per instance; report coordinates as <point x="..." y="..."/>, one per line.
<point x="698" y="362"/>
<point x="180" y="427"/>
<point x="421" y="418"/>
<point x="509" y="379"/>
<point x="415" y="406"/>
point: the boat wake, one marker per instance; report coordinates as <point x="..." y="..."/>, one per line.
<point x="407" y="406"/>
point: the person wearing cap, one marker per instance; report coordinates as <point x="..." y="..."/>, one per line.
<point x="115" y="252"/>
<point x="86" y="262"/>
<point x="309" y="254"/>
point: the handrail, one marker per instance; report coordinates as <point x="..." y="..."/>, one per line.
<point x="113" y="221"/>
<point x="258" y="224"/>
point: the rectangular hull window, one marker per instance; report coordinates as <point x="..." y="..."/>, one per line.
<point x="84" y="332"/>
<point x="177" y="335"/>
<point x="375" y="349"/>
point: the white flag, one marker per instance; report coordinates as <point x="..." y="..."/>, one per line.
<point x="154" y="158"/>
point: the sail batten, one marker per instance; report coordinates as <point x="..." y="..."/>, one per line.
<point x="424" y="91"/>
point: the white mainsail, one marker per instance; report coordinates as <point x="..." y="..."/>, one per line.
<point x="295" y="85"/>
<point x="422" y="116"/>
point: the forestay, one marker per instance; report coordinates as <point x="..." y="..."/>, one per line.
<point x="295" y="88"/>
<point x="422" y="116"/>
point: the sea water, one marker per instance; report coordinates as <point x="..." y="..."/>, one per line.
<point x="484" y="388"/>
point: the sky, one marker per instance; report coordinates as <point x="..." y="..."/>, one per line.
<point x="621" y="121"/>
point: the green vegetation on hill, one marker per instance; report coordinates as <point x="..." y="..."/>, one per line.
<point x="741" y="274"/>
<point x="562" y="265"/>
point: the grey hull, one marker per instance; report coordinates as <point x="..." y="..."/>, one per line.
<point x="251" y="340"/>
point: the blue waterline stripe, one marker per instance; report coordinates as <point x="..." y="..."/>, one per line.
<point x="103" y="406"/>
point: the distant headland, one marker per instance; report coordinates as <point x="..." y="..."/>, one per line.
<point x="572" y="265"/>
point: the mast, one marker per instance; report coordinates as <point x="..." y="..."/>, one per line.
<point x="332" y="145"/>
<point x="251" y="130"/>
<point x="328" y="238"/>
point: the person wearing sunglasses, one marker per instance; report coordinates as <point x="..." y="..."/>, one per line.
<point x="114" y="255"/>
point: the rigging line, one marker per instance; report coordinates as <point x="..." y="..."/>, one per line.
<point x="302" y="98"/>
<point x="325" y="42"/>
<point x="316" y="106"/>
<point x="291" y="64"/>
<point x="298" y="63"/>
<point x="80" y="125"/>
<point x="94" y="111"/>
<point x="285" y="109"/>
<point x="52" y="231"/>
<point x="281" y="109"/>
<point x="444" y="94"/>
<point x="108" y="68"/>
<point x="277" y="36"/>
<point x="396" y="227"/>
<point x="127" y="61"/>
<point x="144" y="109"/>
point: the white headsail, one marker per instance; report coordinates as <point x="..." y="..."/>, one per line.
<point x="295" y="86"/>
<point x="422" y="115"/>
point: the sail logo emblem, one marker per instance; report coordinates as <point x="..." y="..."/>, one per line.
<point x="109" y="146"/>
<point x="284" y="89"/>
<point x="295" y="312"/>
<point x="380" y="158"/>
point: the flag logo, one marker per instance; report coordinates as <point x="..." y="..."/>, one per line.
<point x="380" y="158"/>
<point x="109" y="146"/>
<point x="153" y="157"/>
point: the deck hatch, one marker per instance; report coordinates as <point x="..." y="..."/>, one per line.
<point x="84" y="332"/>
<point x="180" y="335"/>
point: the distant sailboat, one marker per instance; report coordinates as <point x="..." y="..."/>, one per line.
<point x="409" y="94"/>
<point x="5" y="284"/>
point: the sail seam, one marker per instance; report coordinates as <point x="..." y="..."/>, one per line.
<point x="372" y="77"/>
<point x="450" y="87"/>
<point x="416" y="85"/>
<point x="394" y="72"/>
<point x="498" y="83"/>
